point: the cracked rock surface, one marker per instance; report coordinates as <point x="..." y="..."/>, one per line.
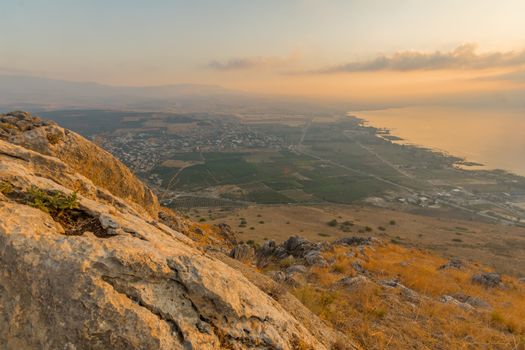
<point x="140" y="286"/>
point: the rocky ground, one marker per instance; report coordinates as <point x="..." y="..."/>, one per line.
<point x="89" y="260"/>
<point x="391" y="297"/>
<point x="88" y="263"/>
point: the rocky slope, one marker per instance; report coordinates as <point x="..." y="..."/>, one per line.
<point x="87" y="264"/>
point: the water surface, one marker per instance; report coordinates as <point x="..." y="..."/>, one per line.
<point x="491" y="137"/>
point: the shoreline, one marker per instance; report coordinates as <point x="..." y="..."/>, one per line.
<point x="462" y="163"/>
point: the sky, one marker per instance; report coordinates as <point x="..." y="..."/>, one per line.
<point x="367" y="49"/>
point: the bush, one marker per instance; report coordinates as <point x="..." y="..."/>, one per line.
<point x="54" y="138"/>
<point x="54" y="203"/>
<point x="287" y="262"/>
<point x="332" y="223"/>
<point x="5" y="187"/>
<point x="392" y="222"/>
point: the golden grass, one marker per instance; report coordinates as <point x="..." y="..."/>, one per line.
<point x="380" y="318"/>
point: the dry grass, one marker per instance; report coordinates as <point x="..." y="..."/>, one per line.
<point x="381" y="318"/>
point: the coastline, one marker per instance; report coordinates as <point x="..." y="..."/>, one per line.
<point x="471" y="158"/>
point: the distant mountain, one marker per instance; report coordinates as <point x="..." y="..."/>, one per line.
<point x="34" y="92"/>
<point x="39" y="94"/>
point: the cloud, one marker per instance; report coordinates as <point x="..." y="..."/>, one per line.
<point x="463" y="57"/>
<point x="517" y="76"/>
<point x="253" y="63"/>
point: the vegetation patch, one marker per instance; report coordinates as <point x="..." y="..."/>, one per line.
<point x="63" y="208"/>
<point x="5" y="187"/>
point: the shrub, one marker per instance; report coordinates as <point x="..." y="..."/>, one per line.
<point x="287" y="262"/>
<point x="5" y="187"/>
<point x="392" y="222"/>
<point x="338" y="268"/>
<point x="53" y="138"/>
<point x="332" y="223"/>
<point x="54" y="203"/>
<point x="202" y="219"/>
<point x="368" y="229"/>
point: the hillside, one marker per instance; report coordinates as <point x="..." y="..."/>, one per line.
<point x="90" y="260"/>
<point x="86" y="264"/>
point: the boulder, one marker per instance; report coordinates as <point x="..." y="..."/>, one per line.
<point x="354" y="283"/>
<point x="354" y="241"/>
<point x="298" y="246"/>
<point x="447" y="299"/>
<point x="296" y="269"/>
<point x="356" y="265"/>
<point x="314" y="258"/>
<point x="452" y="264"/>
<point x="277" y="276"/>
<point x="471" y="300"/>
<point x="226" y="232"/>
<point x="490" y="280"/>
<point x="409" y="294"/>
<point x="243" y="252"/>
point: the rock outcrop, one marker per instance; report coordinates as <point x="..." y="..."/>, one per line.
<point x="86" y="265"/>
<point x="81" y="155"/>
<point x="489" y="280"/>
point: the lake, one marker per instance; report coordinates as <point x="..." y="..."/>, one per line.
<point x="491" y="137"/>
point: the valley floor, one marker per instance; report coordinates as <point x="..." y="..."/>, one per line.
<point x="498" y="246"/>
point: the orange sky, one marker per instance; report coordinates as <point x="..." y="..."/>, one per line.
<point x="363" y="49"/>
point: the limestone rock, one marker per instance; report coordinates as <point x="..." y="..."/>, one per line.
<point x="354" y="241"/>
<point x="119" y="279"/>
<point x="81" y="155"/>
<point x="452" y="264"/>
<point x="354" y="283"/>
<point x="471" y="300"/>
<point x="243" y="252"/>
<point x="489" y="280"/>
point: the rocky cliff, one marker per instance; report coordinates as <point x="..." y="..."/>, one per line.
<point x="85" y="262"/>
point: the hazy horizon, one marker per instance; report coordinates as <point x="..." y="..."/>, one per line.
<point x="368" y="51"/>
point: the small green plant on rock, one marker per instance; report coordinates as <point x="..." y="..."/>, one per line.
<point x="54" y="203"/>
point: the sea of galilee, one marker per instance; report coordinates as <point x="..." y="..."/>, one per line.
<point x="494" y="138"/>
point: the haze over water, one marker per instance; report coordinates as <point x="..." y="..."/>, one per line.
<point x="495" y="138"/>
